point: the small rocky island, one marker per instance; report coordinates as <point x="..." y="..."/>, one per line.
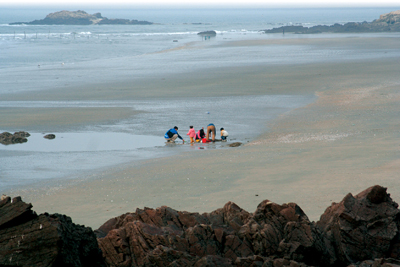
<point x="80" y="18"/>
<point x="208" y="33"/>
<point x="389" y="22"/>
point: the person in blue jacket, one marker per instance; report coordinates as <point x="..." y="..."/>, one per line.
<point x="172" y="134"/>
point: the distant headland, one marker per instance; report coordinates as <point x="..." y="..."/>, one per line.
<point x="389" y="22"/>
<point x="80" y="18"/>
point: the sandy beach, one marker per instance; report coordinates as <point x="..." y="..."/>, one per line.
<point x="345" y="141"/>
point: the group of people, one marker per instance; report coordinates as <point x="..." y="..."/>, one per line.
<point x="200" y="136"/>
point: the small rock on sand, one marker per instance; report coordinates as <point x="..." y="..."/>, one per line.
<point x="236" y="144"/>
<point x="49" y="136"/>
<point x="7" y="138"/>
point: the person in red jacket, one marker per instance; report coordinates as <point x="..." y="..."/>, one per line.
<point x="200" y="135"/>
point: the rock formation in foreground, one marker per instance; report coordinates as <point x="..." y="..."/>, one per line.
<point x="389" y="22"/>
<point x="360" y="228"/>
<point x="80" y="18"/>
<point x="360" y="231"/>
<point x="28" y="239"/>
<point x="7" y="138"/>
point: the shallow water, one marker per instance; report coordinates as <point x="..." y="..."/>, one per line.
<point x="94" y="147"/>
<point x="71" y="155"/>
<point x="85" y="142"/>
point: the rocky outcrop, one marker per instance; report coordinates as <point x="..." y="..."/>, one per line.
<point x="360" y="228"/>
<point x="28" y="239"/>
<point x="79" y="18"/>
<point x="7" y="138"/>
<point x="389" y="18"/>
<point x="389" y="22"/>
<point x="360" y="231"/>
<point x="377" y="263"/>
<point x="208" y="33"/>
<point x="226" y="237"/>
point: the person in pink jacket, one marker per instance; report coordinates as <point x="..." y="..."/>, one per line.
<point x="192" y="134"/>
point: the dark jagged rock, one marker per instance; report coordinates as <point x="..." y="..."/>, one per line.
<point x="354" y="232"/>
<point x="28" y="239"/>
<point x="284" y="231"/>
<point x="377" y="263"/>
<point x="360" y="231"/>
<point x="49" y="136"/>
<point x="389" y="22"/>
<point x="22" y="134"/>
<point x="7" y="138"/>
<point x="79" y="18"/>
<point x="226" y="237"/>
<point x="362" y="227"/>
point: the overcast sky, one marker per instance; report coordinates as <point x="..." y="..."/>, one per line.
<point x="223" y="3"/>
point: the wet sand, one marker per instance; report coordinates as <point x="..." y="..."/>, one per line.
<point x="345" y="142"/>
<point x="54" y="119"/>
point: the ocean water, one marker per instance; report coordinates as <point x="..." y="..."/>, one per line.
<point x="53" y="57"/>
<point x="55" y="44"/>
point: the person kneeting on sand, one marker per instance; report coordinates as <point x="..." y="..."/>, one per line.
<point x="192" y="134"/>
<point x="200" y="135"/>
<point x="172" y="134"/>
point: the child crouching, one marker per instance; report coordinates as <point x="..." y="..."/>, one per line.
<point x="224" y="134"/>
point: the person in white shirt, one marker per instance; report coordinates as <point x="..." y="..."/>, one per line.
<point x="224" y="134"/>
